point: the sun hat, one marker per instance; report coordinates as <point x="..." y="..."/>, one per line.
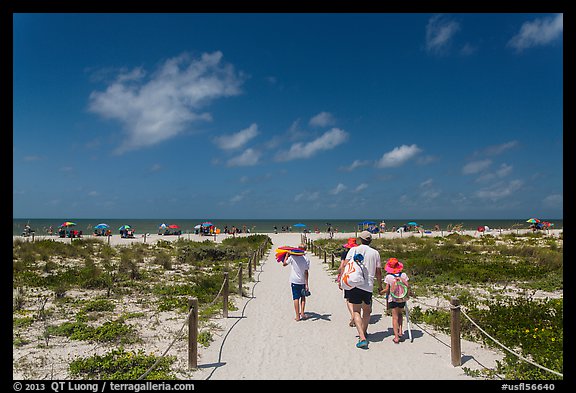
<point x="365" y="235"/>
<point x="393" y="266"/>
<point x="351" y="243"/>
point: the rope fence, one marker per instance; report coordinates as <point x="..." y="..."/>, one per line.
<point x="455" y="310"/>
<point x="192" y="318"/>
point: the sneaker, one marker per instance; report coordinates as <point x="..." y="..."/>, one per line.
<point x="362" y="344"/>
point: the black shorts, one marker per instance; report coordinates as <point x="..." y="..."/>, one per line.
<point x="359" y="296"/>
<point x="346" y="294"/>
<point x="392" y="305"/>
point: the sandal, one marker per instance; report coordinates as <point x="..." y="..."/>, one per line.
<point x="362" y="344"/>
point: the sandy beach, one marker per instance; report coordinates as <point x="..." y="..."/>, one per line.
<point x="262" y="341"/>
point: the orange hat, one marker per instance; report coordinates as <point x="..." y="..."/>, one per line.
<point x="393" y="266"/>
<point x="351" y="243"/>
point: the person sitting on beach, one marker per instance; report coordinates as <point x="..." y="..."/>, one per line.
<point x="394" y="269"/>
<point x="351" y="243"/>
<point x="298" y="280"/>
<point x="361" y="295"/>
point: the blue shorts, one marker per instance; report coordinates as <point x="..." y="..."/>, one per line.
<point x="297" y="291"/>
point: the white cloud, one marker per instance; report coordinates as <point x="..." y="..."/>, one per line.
<point x="538" y="32"/>
<point x="554" y="200"/>
<point x="250" y="157"/>
<point x="439" y="33"/>
<point x="354" y="165"/>
<point x="307" y="196"/>
<point x="237" y="140"/>
<point x="326" y="141"/>
<point x="338" y="189"/>
<point x="499" y="190"/>
<point x="159" y="107"/>
<point x="476" y="166"/>
<point x="322" y="119"/>
<point x="361" y="187"/>
<point x="501" y="148"/>
<point x="398" y="156"/>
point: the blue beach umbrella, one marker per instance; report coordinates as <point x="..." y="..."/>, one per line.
<point x="102" y="226"/>
<point x="299" y="225"/>
<point x="124" y="227"/>
<point x="412" y="223"/>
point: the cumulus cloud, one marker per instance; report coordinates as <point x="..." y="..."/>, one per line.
<point x="237" y="140"/>
<point x="499" y="190"/>
<point x="249" y="157"/>
<point x="322" y="119"/>
<point x="439" y="33"/>
<point x="338" y="189"/>
<point x="161" y="106"/>
<point x="361" y="187"/>
<point x="499" y="149"/>
<point x="476" y="166"/>
<point x="307" y="196"/>
<point x="354" y="165"/>
<point x="327" y="141"/>
<point x="540" y="31"/>
<point x="398" y="156"/>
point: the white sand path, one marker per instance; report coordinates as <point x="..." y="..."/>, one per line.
<point x="262" y="341"/>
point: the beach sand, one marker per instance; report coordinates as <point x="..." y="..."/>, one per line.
<point x="262" y="341"/>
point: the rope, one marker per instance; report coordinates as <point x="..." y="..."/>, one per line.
<point x="179" y="334"/>
<point x="452" y="307"/>
<point x="509" y="350"/>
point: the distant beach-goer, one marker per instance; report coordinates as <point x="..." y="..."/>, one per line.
<point x="361" y="295"/>
<point x="299" y="280"/>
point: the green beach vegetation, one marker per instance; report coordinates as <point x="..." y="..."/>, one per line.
<point x="87" y="291"/>
<point x="496" y="279"/>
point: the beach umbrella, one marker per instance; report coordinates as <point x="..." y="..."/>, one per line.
<point x="533" y="220"/>
<point x="124" y="227"/>
<point x="299" y="225"/>
<point x="163" y="226"/>
<point x="173" y="226"/>
<point x="197" y="226"/>
<point x="415" y="224"/>
<point x="207" y="224"/>
<point x="68" y="224"/>
<point x="102" y="226"/>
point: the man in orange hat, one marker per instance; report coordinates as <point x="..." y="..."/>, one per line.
<point x="361" y="295"/>
<point x="350" y="244"/>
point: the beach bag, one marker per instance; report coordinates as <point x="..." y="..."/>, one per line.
<point x="399" y="289"/>
<point x="353" y="274"/>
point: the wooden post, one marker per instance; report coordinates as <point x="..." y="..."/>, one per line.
<point x="249" y="267"/>
<point x="455" y="331"/>
<point x="332" y="264"/>
<point x="240" y="280"/>
<point x="324" y="256"/>
<point x="256" y="256"/>
<point x="193" y="333"/>
<point x="225" y="296"/>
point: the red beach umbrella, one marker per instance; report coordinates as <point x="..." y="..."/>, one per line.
<point x="173" y="226"/>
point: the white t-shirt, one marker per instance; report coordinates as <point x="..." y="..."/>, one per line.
<point x="371" y="262"/>
<point x="299" y="264"/>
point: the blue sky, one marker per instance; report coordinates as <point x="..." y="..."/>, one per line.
<point x="288" y="115"/>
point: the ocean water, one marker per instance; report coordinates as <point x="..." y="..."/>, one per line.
<point x="86" y="225"/>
